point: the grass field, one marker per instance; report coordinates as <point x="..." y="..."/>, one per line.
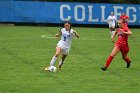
<point x="26" y="50"/>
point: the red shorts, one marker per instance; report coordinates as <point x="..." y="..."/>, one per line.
<point x="123" y="48"/>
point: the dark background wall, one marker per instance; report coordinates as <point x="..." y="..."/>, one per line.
<point x="93" y="1"/>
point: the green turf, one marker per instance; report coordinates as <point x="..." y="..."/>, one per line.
<point x="24" y="54"/>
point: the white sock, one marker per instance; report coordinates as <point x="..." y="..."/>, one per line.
<point x="53" y="61"/>
<point x="60" y="62"/>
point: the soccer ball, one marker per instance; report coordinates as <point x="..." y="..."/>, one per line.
<point x="51" y="68"/>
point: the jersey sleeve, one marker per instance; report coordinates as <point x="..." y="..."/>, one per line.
<point x="108" y="18"/>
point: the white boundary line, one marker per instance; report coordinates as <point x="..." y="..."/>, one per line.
<point x="47" y="36"/>
<point x="82" y="38"/>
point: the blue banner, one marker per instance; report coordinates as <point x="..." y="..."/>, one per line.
<point x="58" y="12"/>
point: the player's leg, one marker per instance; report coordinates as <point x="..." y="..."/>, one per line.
<point x="113" y="30"/>
<point x="110" y="58"/>
<point x="53" y="60"/>
<point x="65" y="52"/>
<point x="58" y="51"/>
<point x="62" y="60"/>
<point x="126" y="58"/>
<point x="110" y="30"/>
<point x="113" y="54"/>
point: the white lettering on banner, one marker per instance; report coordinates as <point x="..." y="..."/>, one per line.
<point x="90" y="15"/>
<point x="116" y="8"/>
<point x="76" y="12"/>
<point x="103" y="14"/>
<point x="62" y="12"/>
<point x="84" y="13"/>
<point x="134" y="16"/>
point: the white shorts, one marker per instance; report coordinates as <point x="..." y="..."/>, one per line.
<point x="65" y="50"/>
<point x="111" y="25"/>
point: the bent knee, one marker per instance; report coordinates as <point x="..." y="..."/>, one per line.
<point x="124" y="58"/>
<point x="57" y="54"/>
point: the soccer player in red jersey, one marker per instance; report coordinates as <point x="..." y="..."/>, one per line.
<point x="120" y="45"/>
<point x="125" y="19"/>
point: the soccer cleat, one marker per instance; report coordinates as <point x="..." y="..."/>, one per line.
<point x="104" y="68"/>
<point x="60" y="65"/>
<point x="128" y="64"/>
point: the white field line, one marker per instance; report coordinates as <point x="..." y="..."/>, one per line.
<point x="81" y="38"/>
<point x="47" y="36"/>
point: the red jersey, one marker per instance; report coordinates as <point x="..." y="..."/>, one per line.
<point x="124" y="17"/>
<point x="125" y="24"/>
<point x="122" y="38"/>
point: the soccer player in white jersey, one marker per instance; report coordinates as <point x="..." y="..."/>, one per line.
<point x="64" y="44"/>
<point x="111" y="21"/>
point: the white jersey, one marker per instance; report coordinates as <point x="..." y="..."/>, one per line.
<point x="66" y="38"/>
<point x="111" y="19"/>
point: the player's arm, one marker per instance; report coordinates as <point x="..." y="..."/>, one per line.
<point x="76" y="34"/>
<point x="112" y="38"/>
<point x="128" y="32"/>
<point x="108" y="20"/>
<point x="59" y="34"/>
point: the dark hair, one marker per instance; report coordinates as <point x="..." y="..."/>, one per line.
<point x="68" y="23"/>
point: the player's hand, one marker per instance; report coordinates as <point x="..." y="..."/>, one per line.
<point x="57" y="35"/>
<point x="109" y="22"/>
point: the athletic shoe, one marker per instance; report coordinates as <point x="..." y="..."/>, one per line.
<point x="104" y="68"/>
<point x="59" y="66"/>
<point x="128" y="64"/>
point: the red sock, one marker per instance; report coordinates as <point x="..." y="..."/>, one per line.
<point x="127" y="59"/>
<point x="108" y="61"/>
